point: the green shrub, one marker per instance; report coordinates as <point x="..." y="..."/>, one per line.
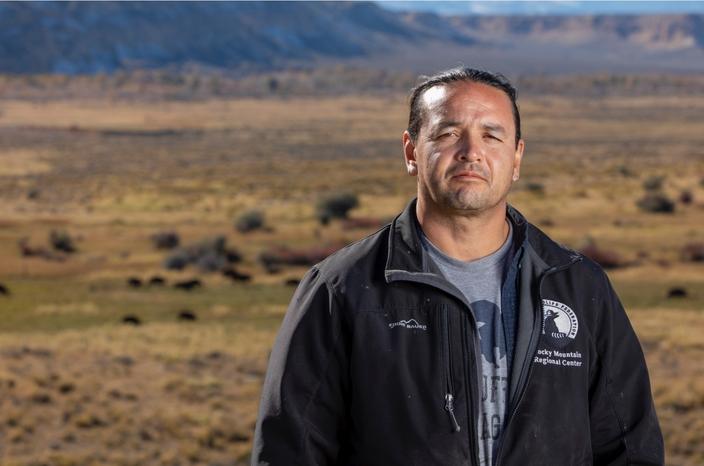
<point x="61" y="241"/>
<point x="335" y="205"/>
<point x="653" y="183"/>
<point x="250" y="221"/>
<point x="535" y="187"/>
<point x="624" y="171"/>
<point x="165" y="240"/>
<point x="209" y="255"/>
<point x="656" y="202"/>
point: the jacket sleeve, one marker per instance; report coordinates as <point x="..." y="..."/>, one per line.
<point x="302" y="409"/>
<point x="624" y="426"/>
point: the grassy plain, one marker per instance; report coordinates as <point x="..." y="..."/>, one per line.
<point x="77" y="387"/>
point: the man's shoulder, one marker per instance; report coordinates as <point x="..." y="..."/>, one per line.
<point x="366" y="256"/>
<point x="554" y="253"/>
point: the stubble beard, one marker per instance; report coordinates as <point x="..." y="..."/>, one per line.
<point x="469" y="198"/>
<point x="464" y="199"/>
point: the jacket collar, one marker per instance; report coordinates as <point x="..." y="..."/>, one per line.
<point x="405" y="252"/>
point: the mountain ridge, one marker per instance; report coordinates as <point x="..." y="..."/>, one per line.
<point x="93" y="37"/>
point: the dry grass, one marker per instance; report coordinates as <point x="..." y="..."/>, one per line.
<point x="675" y="353"/>
<point x="78" y="388"/>
<point x="161" y="390"/>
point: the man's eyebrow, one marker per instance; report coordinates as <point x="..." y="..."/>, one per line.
<point x="494" y="127"/>
<point x="442" y="124"/>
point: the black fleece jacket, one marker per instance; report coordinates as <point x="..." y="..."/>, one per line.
<point x="375" y="340"/>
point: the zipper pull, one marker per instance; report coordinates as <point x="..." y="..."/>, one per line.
<point x="451" y="409"/>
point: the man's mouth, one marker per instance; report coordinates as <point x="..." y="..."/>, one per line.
<point x="467" y="175"/>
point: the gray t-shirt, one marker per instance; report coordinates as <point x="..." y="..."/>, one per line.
<point x="480" y="281"/>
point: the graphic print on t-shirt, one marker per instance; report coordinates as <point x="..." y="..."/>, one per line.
<point x="494" y="371"/>
<point x="488" y="321"/>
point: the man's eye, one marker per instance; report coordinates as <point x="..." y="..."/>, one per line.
<point x="491" y="136"/>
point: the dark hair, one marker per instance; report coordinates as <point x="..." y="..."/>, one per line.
<point x="497" y="80"/>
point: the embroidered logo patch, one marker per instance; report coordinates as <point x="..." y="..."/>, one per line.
<point x="410" y="323"/>
<point x="560" y="324"/>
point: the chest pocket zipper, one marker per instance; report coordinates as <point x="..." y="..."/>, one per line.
<point x="447" y="360"/>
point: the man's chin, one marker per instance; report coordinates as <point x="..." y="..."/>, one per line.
<point x="471" y="203"/>
<point x="467" y="204"/>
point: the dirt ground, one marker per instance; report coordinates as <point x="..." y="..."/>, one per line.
<point x="80" y="387"/>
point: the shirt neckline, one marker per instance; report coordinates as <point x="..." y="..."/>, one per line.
<point x="485" y="262"/>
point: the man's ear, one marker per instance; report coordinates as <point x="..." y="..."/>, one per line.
<point x="409" y="154"/>
<point x="517" y="158"/>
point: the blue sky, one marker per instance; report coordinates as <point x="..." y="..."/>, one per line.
<point x="546" y="7"/>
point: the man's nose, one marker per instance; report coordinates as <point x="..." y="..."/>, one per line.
<point x="469" y="150"/>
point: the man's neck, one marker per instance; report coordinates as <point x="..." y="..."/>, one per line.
<point x="464" y="236"/>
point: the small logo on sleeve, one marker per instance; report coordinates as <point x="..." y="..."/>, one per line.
<point x="560" y="323"/>
<point x="410" y="323"/>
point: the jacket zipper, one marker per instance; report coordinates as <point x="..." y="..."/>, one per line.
<point x="473" y="380"/>
<point x="473" y="395"/>
<point x="447" y="356"/>
<point x="526" y="371"/>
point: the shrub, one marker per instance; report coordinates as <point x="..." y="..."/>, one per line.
<point x="686" y="197"/>
<point x="307" y="257"/>
<point x="363" y="222"/>
<point x="677" y="292"/>
<point x="61" y="241"/>
<point x="606" y="258"/>
<point x="336" y="205"/>
<point x="693" y="252"/>
<point x="624" y="171"/>
<point x="165" y="240"/>
<point x="535" y="187"/>
<point x="210" y="255"/>
<point x="176" y="261"/>
<point x="250" y="221"/>
<point x="273" y="85"/>
<point x="653" y="183"/>
<point x="211" y="261"/>
<point x="232" y="255"/>
<point x="656" y="203"/>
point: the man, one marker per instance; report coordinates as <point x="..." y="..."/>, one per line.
<point x="459" y="334"/>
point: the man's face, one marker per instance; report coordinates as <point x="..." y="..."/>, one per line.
<point x="465" y="155"/>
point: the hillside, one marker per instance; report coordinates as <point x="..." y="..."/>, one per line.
<point x="78" y="37"/>
<point x="92" y="37"/>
